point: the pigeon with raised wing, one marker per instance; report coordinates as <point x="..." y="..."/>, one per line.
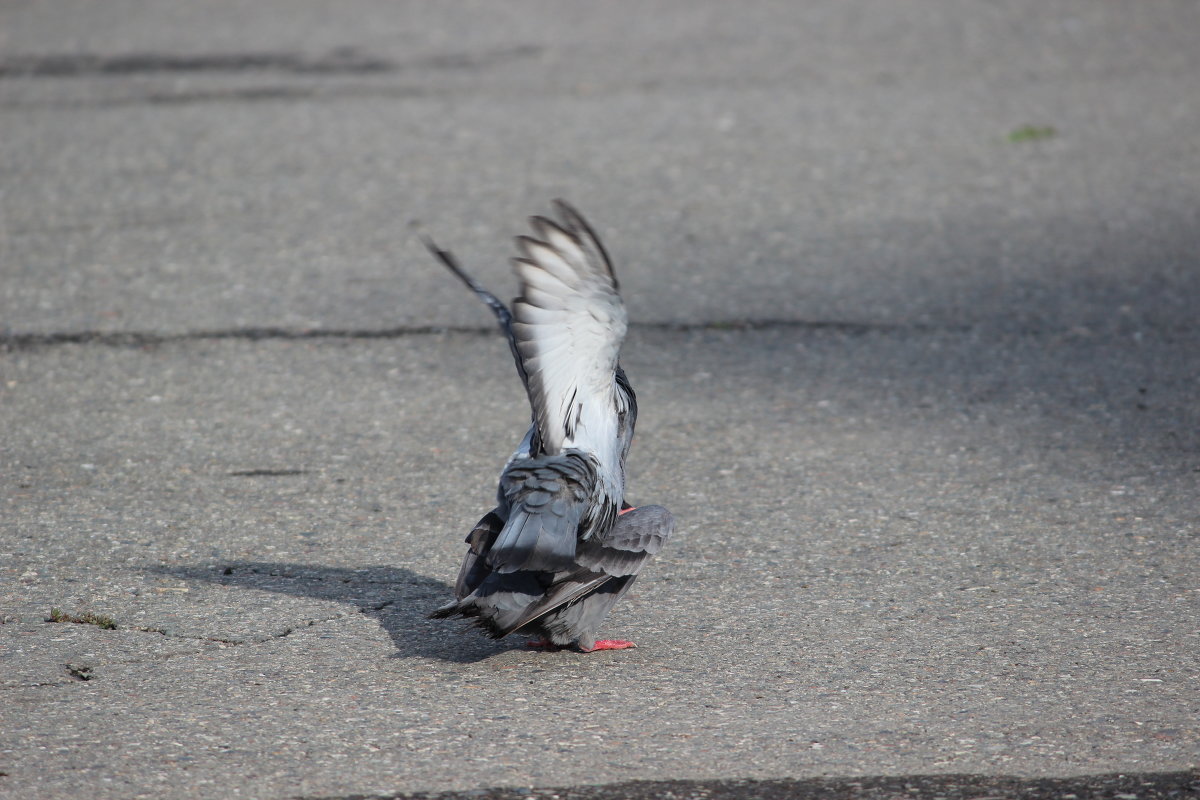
<point x="561" y="547"/>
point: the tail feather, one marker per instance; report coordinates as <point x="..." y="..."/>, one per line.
<point x="535" y="541"/>
<point x="499" y="603"/>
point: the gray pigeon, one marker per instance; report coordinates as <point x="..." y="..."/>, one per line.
<point x="561" y="547"/>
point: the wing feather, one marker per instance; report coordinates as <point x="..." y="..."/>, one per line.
<point x="638" y="534"/>
<point x="565" y="265"/>
<point x="569" y="323"/>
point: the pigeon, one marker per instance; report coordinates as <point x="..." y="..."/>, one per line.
<point x="562" y="546"/>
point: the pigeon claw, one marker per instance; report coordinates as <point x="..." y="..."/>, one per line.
<point x="608" y="644"/>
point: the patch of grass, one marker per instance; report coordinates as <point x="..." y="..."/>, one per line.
<point x="100" y="621"/>
<point x="79" y="672"/>
<point x="1032" y="133"/>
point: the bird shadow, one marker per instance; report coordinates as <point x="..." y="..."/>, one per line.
<point x="399" y="599"/>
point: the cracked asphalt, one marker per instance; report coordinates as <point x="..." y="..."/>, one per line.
<point x="913" y="292"/>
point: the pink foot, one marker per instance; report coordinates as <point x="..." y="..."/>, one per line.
<point x="608" y="644"/>
<point x="543" y="644"/>
<point x="626" y="510"/>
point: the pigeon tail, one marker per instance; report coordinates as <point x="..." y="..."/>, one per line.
<point x="547" y="498"/>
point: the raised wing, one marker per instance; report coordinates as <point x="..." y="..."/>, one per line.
<point x="569" y="323"/>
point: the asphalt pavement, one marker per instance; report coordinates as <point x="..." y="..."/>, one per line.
<point x="913" y="290"/>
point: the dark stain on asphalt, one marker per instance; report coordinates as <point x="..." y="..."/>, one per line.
<point x="1120" y="786"/>
<point x="13" y="340"/>
<point x="345" y="61"/>
<point x="340" y="61"/>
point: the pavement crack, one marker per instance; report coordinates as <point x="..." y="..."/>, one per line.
<point x="231" y="642"/>
<point x="340" y="61"/>
<point x="28" y="340"/>
<point x="144" y="339"/>
<point x="197" y="638"/>
<point x="38" y="685"/>
<point x="14" y="340"/>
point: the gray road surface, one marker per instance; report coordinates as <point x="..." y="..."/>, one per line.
<point x="914" y="289"/>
